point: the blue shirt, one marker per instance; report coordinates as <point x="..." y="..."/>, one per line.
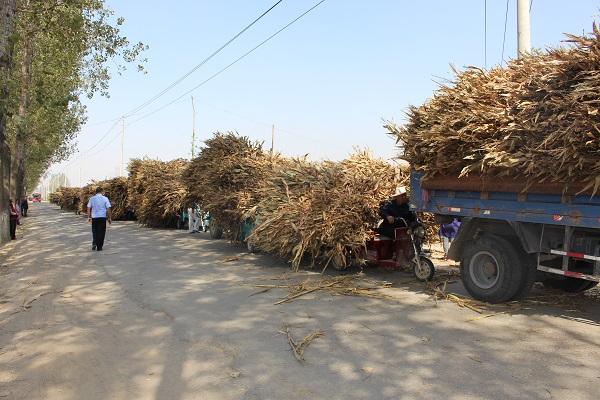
<point x="99" y="204"/>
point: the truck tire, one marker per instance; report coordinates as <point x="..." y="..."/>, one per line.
<point x="529" y="266"/>
<point x="569" y="285"/>
<point x="491" y="270"/>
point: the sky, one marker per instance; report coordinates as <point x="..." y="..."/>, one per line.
<point x="326" y="83"/>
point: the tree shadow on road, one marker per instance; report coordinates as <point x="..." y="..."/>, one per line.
<point x="161" y="314"/>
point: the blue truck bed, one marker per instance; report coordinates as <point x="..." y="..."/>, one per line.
<point x="497" y="201"/>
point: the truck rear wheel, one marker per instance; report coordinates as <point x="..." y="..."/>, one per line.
<point x="570" y="285"/>
<point x="492" y="271"/>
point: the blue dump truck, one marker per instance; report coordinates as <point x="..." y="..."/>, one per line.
<point x="513" y="233"/>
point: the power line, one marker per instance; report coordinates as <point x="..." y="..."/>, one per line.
<point x="113" y="126"/>
<point x="179" y="80"/>
<point x="95" y="144"/>
<point x="197" y="86"/>
<point x="106" y="121"/>
<point x="504" y="36"/>
<point x="229" y="65"/>
<point x="107" y="144"/>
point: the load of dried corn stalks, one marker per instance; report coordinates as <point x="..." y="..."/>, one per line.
<point x="226" y="177"/>
<point x="55" y="198"/>
<point x="155" y="192"/>
<point x="322" y="212"/>
<point x="69" y="198"/>
<point x="536" y="119"/>
<point x="116" y="191"/>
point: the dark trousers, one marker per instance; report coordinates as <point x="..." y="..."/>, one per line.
<point x="13" y="228"/>
<point x="98" y="232"/>
<point x="23" y="212"/>
<point x="387" y="229"/>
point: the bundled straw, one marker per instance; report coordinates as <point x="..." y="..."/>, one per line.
<point x="537" y="119"/>
<point x="69" y="198"/>
<point x="155" y="191"/>
<point x="226" y="177"/>
<point x="322" y="211"/>
<point x="116" y="191"/>
<point x="55" y="198"/>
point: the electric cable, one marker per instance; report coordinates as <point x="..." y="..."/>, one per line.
<point x="504" y="36"/>
<point x="213" y="54"/>
<point x="229" y="65"/>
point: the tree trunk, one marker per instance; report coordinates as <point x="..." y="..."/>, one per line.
<point x="23" y="125"/>
<point x="7" y="16"/>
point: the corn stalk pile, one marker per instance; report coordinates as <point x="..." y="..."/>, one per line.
<point x="537" y="120"/>
<point x="155" y="191"/>
<point x="136" y="182"/>
<point x="55" y="198"/>
<point x="225" y="179"/>
<point x="69" y="198"/>
<point x="116" y="191"/>
<point x="84" y="195"/>
<point x="322" y="212"/>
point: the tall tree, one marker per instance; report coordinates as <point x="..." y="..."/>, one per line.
<point x="7" y="16"/>
<point x="62" y="51"/>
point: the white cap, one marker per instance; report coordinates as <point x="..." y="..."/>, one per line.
<point x="400" y="190"/>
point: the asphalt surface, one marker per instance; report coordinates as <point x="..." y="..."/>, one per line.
<point x="161" y="314"/>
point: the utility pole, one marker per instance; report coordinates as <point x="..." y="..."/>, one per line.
<point x="122" y="145"/>
<point x="523" y="28"/>
<point x="193" y="126"/>
<point x="272" y="138"/>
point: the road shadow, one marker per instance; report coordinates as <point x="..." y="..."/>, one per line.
<point x="162" y="314"/>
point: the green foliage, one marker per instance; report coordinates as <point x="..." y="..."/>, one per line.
<point x="72" y="43"/>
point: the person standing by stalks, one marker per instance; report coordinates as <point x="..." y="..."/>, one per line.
<point x="99" y="211"/>
<point x="447" y="234"/>
<point x="14" y="219"/>
<point x="24" y="207"/>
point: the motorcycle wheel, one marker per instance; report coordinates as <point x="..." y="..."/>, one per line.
<point x="427" y="270"/>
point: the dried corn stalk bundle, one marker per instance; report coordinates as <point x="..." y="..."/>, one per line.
<point x="55" y="198"/>
<point x="226" y="178"/>
<point x="324" y="211"/>
<point x="156" y="193"/>
<point x="537" y="119"/>
<point x="84" y="195"/>
<point x="116" y="191"/>
<point x="136" y="183"/>
<point x="69" y="199"/>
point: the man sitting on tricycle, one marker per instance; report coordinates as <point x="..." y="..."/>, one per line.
<point x="396" y="213"/>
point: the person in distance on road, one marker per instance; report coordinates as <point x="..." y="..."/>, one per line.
<point x="24" y="207"/>
<point x="99" y="211"/>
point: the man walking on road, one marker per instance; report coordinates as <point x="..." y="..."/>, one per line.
<point x="98" y="208"/>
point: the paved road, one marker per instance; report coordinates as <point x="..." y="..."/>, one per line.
<point x="160" y="315"/>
